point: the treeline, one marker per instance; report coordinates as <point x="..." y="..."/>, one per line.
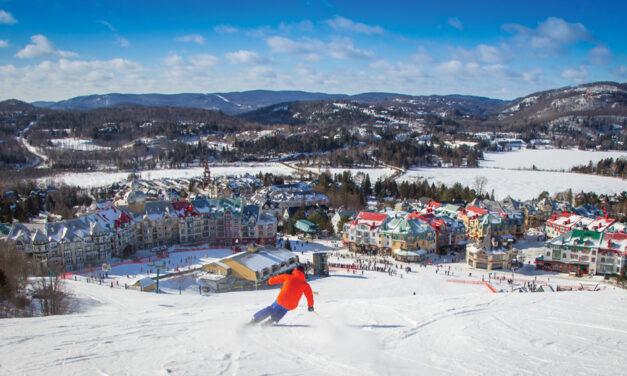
<point x="12" y="154"/>
<point x="23" y="201"/>
<point x="344" y="191"/>
<point x="121" y="124"/>
<point x="308" y="142"/>
<point x="409" y="153"/>
<point x="607" y="167"/>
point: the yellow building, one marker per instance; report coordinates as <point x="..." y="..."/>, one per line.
<point x="257" y="264"/>
<point x="146" y="284"/>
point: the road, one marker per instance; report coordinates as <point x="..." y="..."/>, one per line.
<point x="39" y="156"/>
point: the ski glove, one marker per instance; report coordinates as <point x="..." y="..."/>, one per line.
<point x="310" y="309"/>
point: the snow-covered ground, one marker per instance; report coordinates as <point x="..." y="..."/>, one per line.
<point x="369" y="324"/>
<point x="546" y="159"/>
<point x="73" y="143"/>
<point x="97" y="179"/>
<point x="458" y="143"/>
<point x="519" y="184"/>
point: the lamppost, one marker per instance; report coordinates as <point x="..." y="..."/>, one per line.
<point x="157" y="265"/>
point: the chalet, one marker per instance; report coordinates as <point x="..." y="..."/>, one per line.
<point x="586" y="252"/>
<point x="117" y="230"/>
<point x="246" y="270"/>
<point x="407" y="234"/>
<point x="450" y="232"/>
<point x="306" y="226"/>
<point x="362" y="233"/>
<point x="575" y="251"/>
<point x="341" y="215"/>
<point x="489" y="254"/>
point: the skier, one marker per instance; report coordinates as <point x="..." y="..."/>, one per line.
<point x="294" y="286"/>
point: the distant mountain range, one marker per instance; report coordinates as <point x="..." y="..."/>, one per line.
<point x="271" y="107"/>
<point x="234" y="102"/>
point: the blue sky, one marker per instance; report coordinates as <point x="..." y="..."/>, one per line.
<point x="51" y="50"/>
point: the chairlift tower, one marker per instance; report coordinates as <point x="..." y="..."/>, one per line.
<point x="159" y="265"/>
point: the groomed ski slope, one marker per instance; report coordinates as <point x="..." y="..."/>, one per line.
<point x="372" y="325"/>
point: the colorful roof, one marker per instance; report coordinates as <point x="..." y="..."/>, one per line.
<point x="370" y="216"/>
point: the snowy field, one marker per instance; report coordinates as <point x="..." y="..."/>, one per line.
<point x="371" y="324"/>
<point x="547" y="159"/>
<point x="98" y="179"/>
<point x="519" y="184"/>
<point x="73" y="143"/>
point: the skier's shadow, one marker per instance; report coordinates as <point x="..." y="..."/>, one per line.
<point x="293" y="325"/>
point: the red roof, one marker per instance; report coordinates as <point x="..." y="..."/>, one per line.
<point x="434" y="204"/>
<point x="477" y="210"/>
<point x="430" y="219"/>
<point x="615" y="235"/>
<point x="370" y="216"/>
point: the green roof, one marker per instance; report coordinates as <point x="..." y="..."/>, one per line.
<point x="305" y="225"/>
<point x="579" y="233"/>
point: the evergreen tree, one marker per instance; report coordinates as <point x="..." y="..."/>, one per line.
<point x="366" y="186"/>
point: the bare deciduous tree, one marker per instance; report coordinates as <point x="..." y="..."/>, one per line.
<point x="479" y="185"/>
<point x="51" y="295"/>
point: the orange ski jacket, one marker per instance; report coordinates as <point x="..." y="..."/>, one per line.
<point x="294" y="286"/>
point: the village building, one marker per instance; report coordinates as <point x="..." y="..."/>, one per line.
<point x="562" y="223"/>
<point x="339" y="216"/>
<point x="450" y="232"/>
<point x="362" y="233"/>
<point x="490" y="254"/>
<point x="248" y="269"/>
<point x="575" y="252"/>
<point x="582" y="251"/>
<point x="233" y="186"/>
<point x="120" y="230"/>
<point x="277" y="198"/>
<point x="406" y="234"/>
<point x="306" y="227"/>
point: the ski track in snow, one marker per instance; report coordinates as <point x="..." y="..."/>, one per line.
<point x="370" y="326"/>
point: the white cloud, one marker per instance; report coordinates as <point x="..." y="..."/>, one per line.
<point x="244" y="57"/>
<point x="172" y="60"/>
<point x="192" y="62"/>
<point x="191" y="38"/>
<point x="451" y="67"/>
<point x="4" y="43"/>
<point x="338" y="48"/>
<point x="489" y="54"/>
<point x="67" y="78"/>
<point x="203" y="60"/>
<point x="108" y="25"/>
<point x="342" y="23"/>
<point x="533" y="75"/>
<point x="41" y="46"/>
<point x="550" y="35"/>
<point x="305" y="25"/>
<point x="578" y="75"/>
<point x="343" y="48"/>
<point x="189" y="69"/>
<point x="600" y="55"/>
<point x="621" y="71"/>
<point x="456" y="23"/>
<point x="225" y="29"/>
<point x="262" y="72"/>
<point x="7" y="18"/>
